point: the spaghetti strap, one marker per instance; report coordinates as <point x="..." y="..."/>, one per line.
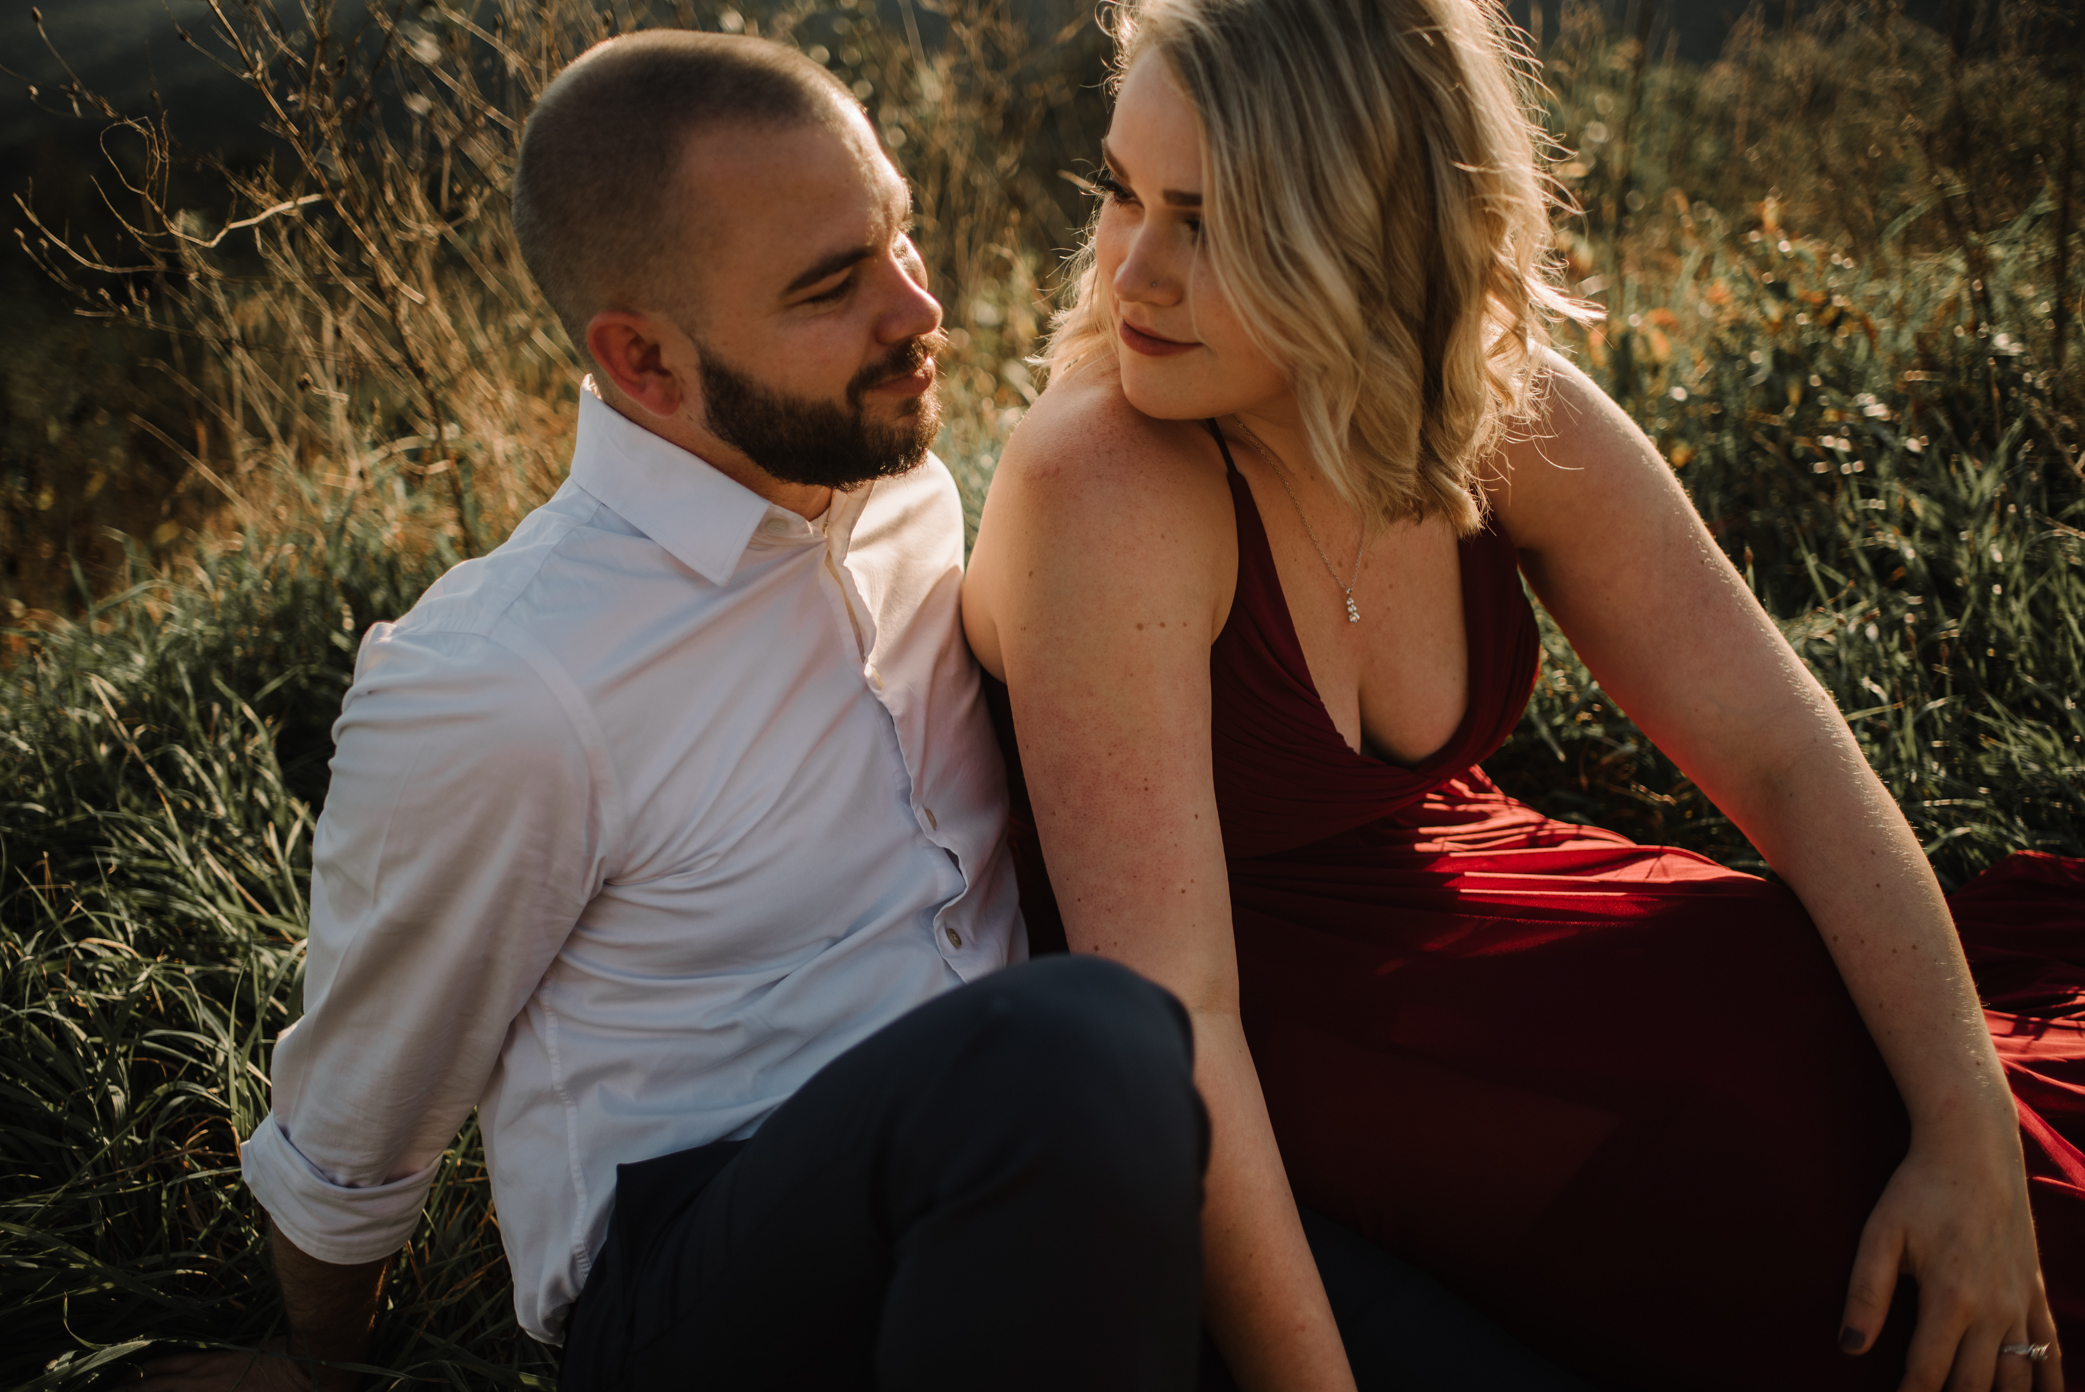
<point x="1230" y="465"/>
<point x="1552" y="1067"/>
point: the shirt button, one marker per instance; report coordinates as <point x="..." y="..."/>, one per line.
<point x="955" y="939"/>
<point x="774" y="526"/>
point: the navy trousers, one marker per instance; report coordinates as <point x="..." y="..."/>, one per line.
<point x="1405" y="1331"/>
<point x="1000" y="1190"/>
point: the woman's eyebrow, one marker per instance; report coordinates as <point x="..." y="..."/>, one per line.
<point x="1174" y="198"/>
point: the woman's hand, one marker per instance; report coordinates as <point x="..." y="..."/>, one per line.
<point x="1954" y="1216"/>
<point x="1672" y="632"/>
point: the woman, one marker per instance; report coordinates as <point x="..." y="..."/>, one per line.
<point x="1248" y="573"/>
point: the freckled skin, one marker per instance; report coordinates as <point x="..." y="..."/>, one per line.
<point x="1112" y="705"/>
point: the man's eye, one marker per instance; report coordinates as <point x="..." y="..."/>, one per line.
<point x="837" y="293"/>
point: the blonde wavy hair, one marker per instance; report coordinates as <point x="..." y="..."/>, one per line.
<point x="1376" y="213"/>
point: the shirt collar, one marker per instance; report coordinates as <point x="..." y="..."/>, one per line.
<point x="702" y="518"/>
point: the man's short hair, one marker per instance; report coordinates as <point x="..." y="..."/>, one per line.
<point x="598" y="196"/>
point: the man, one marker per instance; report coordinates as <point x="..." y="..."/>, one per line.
<point x="671" y="837"/>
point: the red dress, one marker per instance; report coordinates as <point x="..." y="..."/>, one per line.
<point x="1615" y="1095"/>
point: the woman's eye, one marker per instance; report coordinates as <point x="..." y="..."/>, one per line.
<point x="1107" y="185"/>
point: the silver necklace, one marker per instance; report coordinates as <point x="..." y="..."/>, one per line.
<point x="1281" y="473"/>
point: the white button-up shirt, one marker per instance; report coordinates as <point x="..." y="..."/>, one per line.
<point x="634" y="825"/>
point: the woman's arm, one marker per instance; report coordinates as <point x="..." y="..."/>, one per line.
<point x="1615" y="550"/>
<point x="1103" y="572"/>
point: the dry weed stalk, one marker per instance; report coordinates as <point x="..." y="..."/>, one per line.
<point x="362" y="311"/>
<point x="360" y="323"/>
<point x="1931" y="152"/>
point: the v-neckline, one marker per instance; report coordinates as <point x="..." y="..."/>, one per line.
<point x="1290" y="643"/>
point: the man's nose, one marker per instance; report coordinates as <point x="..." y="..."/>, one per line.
<point x="912" y="312"/>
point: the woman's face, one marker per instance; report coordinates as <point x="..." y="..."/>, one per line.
<point x="1184" y="355"/>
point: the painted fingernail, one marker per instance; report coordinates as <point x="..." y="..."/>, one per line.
<point x="1851" y="1339"/>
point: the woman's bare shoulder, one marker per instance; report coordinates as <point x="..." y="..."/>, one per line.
<point x="1094" y="498"/>
<point x="1083" y="443"/>
<point x="1087" y="474"/>
<point x="1579" y="452"/>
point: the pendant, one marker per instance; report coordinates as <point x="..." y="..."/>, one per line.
<point x="1353" y="614"/>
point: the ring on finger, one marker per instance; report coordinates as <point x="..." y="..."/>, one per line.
<point x="2033" y="1353"/>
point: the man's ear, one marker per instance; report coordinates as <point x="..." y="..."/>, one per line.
<point x="628" y="349"/>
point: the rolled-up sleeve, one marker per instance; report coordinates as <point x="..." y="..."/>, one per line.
<point x="463" y="835"/>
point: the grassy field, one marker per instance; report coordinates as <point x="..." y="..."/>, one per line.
<point x="1842" y="276"/>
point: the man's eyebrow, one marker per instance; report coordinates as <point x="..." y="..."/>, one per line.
<point x="1173" y="198"/>
<point x="830" y="266"/>
<point x="901" y="211"/>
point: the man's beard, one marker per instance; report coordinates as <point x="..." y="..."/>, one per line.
<point x="801" y="439"/>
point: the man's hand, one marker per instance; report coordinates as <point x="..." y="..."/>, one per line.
<point x="331" y="1310"/>
<point x="266" y="1369"/>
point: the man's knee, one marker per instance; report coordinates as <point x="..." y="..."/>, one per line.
<point x="1095" y="1055"/>
<point x="1090" y="1019"/>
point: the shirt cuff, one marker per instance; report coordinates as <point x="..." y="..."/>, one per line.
<point x="333" y="1222"/>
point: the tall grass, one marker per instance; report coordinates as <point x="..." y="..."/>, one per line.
<point x="359" y="300"/>
<point x="351" y="380"/>
<point x="160" y="760"/>
<point x="1837" y="264"/>
<point x="1858" y="373"/>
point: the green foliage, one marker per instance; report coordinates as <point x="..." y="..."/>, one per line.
<point x="161" y="759"/>
<point x="1839" y="284"/>
<point x="1893" y="479"/>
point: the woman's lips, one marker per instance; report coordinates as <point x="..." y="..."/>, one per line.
<point x="1151" y="345"/>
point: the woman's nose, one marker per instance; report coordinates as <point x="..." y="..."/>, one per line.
<point x="1145" y="275"/>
